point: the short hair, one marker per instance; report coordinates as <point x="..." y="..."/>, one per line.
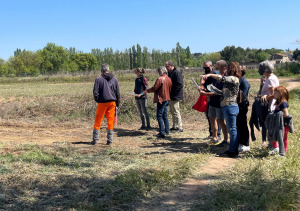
<point x="104" y="68"/>
<point x="222" y="63"/>
<point x="208" y="62"/>
<point x="234" y="69"/>
<point x="265" y="66"/>
<point x="162" y="70"/>
<point x="171" y="63"/>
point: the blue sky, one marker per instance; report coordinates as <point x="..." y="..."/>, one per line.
<point x="203" y="25"/>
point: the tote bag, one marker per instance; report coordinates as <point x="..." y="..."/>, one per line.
<point x="201" y="104"/>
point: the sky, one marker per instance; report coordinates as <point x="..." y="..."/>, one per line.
<point x="203" y="25"/>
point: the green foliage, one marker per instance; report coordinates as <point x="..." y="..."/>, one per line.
<point x="53" y="59"/>
<point x="84" y="61"/>
<point x="296" y="54"/>
<point x="288" y="69"/>
<point x="262" y="56"/>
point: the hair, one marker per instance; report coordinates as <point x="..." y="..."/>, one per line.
<point x="208" y="62"/>
<point x="104" y="68"/>
<point x="162" y="70"/>
<point x="265" y="66"/>
<point x="234" y="69"/>
<point x="140" y="70"/>
<point x="244" y="70"/>
<point x="284" y="94"/>
<point x="171" y="63"/>
<point x="222" y="63"/>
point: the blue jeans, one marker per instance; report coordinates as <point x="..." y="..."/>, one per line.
<point x="162" y="117"/>
<point x="230" y="113"/>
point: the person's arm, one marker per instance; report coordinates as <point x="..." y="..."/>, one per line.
<point x="215" y="76"/>
<point x="96" y="90"/>
<point x="155" y="87"/>
<point x="285" y="112"/>
<point x="118" y="96"/>
<point x="268" y="97"/>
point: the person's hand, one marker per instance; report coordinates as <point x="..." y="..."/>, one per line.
<point x="202" y="92"/>
<point x="139" y="95"/>
<point x="204" y="77"/>
<point x="264" y="98"/>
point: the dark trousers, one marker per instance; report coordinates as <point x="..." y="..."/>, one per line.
<point x="162" y="117"/>
<point x="242" y="126"/>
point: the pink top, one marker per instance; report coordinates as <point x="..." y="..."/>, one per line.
<point x="272" y="81"/>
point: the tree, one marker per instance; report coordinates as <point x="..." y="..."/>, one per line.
<point x="54" y="58"/>
<point x="26" y="63"/>
<point x="85" y="61"/>
<point x="214" y="57"/>
<point x="296" y="54"/>
<point x="139" y="56"/>
<point x="17" y="52"/>
<point x="146" y="58"/>
<point x="262" y="56"/>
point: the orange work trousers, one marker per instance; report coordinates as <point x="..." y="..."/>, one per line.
<point x="109" y="109"/>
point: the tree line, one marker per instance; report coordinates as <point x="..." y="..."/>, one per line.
<point x="53" y="59"/>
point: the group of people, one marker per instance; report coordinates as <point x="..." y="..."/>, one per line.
<point x="227" y="92"/>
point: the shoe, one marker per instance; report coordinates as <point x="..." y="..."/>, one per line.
<point x="148" y="128"/>
<point x="108" y="143"/>
<point x="178" y="131"/>
<point x="223" y="143"/>
<point x="159" y="135"/>
<point x="274" y="151"/>
<point x="229" y="154"/>
<point x="94" y="142"/>
<point x="172" y="129"/>
<point x="214" y="141"/>
<point x="243" y="148"/>
<point x="142" y="128"/>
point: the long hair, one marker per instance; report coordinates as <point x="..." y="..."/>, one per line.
<point x="283" y="93"/>
<point x="234" y="69"/>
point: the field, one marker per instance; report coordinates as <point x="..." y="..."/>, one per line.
<point x="47" y="163"/>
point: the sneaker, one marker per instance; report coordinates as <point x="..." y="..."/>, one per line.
<point x="172" y="129"/>
<point x="223" y="144"/>
<point x="243" y="148"/>
<point x="274" y="151"/>
<point x="179" y="131"/>
<point x="142" y="128"/>
<point x="214" y="141"/>
<point x="148" y="128"/>
<point x="108" y="143"/>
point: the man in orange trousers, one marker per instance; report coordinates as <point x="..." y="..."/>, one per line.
<point x="107" y="95"/>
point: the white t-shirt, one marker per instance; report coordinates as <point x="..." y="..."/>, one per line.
<point x="272" y="81"/>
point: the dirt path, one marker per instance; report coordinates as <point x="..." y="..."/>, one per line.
<point x="188" y="192"/>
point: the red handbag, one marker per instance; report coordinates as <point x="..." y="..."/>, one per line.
<point x="201" y="104"/>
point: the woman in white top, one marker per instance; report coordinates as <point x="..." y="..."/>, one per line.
<point x="266" y="68"/>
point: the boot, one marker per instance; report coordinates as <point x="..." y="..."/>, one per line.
<point x="95" y="136"/>
<point x="109" y="137"/>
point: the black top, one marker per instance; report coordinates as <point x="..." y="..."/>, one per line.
<point x="106" y="89"/>
<point x="177" y="85"/>
<point x="140" y="86"/>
